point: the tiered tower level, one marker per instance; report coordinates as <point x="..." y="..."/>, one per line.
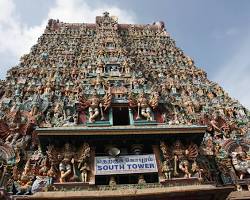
<point x="80" y="77"/>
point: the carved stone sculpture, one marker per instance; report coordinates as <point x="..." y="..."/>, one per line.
<point x="167" y="169"/>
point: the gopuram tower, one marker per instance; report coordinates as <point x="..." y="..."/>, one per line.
<point x="117" y="111"/>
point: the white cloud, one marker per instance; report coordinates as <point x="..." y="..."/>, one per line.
<point x="81" y="11"/>
<point x="234" y="74"/>
<point x="16" y="37"/>
<point x="6" y="8"/>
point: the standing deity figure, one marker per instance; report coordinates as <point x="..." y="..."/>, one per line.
<point x="126" y="67"/>
<point x="100" y="66"/>
<point x="84" y="172"/>
<point x="164" y="150"/>
<point x="182" y="157"/>
<point x="167" y="169"/>
<point x="178" y="154"/>
<point x="95" y="105"/>
<point x="83" y="157"/>
<point x="43" y="167"/>
<point x="54" y="161"/>
<point x="144" y="105"/>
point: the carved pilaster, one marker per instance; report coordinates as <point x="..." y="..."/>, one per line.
<point x="156" y="151"/>
<point x="92" y="167"/>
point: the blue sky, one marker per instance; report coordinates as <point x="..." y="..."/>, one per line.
<point x="215" y="33"/>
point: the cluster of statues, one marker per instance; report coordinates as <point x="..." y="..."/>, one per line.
<point x="72" y="61"/>
<point x="76" y="72"/>
<point x="62" y="165"/>
<point x="180" y="161"/>
<point x="67" y="161"/>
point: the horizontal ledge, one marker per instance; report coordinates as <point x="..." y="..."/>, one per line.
<point x="195" y="190"/>
<point x="121" y="130"/>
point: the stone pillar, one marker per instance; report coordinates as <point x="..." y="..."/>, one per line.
<point x="92" y="167"/>
<point x="157" y="153"/>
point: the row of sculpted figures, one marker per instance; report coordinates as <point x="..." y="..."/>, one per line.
<point x="30" y="169"/>
<point x="53" y="111"/>
<point x="37" y="170"/>
<point x="214" y="161"/>
<point x="180" y="161"/>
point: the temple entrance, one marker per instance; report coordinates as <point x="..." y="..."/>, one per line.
<point x="120" y="116"/>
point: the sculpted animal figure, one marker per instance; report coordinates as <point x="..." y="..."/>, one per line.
<point x="242" y="166"/>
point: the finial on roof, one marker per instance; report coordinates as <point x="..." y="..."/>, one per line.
<point x="106" y="14"/>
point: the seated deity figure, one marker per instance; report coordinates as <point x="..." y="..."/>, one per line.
<point x="69" y="117"/>
<point x="96" y="105"/>
<point x="197" y="171"/>
<point x="144" y="105"/>
<point x="24" y="184"/>
<point x="65" y="165"/>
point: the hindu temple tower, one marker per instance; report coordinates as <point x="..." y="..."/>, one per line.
<point x="117" y="111"/>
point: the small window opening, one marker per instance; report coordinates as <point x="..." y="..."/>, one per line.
<point x="120" y="116"/>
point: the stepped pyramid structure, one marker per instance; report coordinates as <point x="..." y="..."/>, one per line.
<point x="117" y="111"/>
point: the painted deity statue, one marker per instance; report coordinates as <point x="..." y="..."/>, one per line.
<point x="25" y="182"/>
<point x="167" y="169"/>
<point x="65" y="165"/>
<point x="181" y="157"/>
<point x="68" y="161"/>
<point x="96" y="105"/>
<point x="83" y="165"/>
<point x="144" y="105"/>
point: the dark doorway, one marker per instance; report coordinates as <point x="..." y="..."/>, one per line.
<point x="120" y="116"/>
